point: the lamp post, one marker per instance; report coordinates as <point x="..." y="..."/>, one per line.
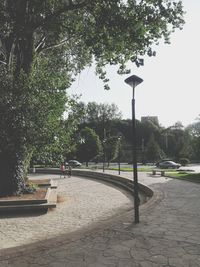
<point x="143" y="156"/>
<point x="104" y="141"/>
<point x="133" y="81"/>
<point x="119" y="154"/>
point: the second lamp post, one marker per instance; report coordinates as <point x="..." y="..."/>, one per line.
<point x="119" y="153"/>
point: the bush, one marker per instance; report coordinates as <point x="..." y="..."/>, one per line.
<point x="184" y="161"/>
<point x="30" y="188"/>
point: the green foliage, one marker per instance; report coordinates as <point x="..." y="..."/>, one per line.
<point x="152" y="150"/>
<point x="178" y="142"/>
<point x="45" y="44"/>
<point x="99" y="117"/>
<point x="111" y="32"/>
<point x="30" y="188"/>
<point x="188" y="176"/>
<point x="111" y="148"/>
<point x="184" y="161"/>
<point x="194" y="132"/>
<point x="31" y="115"/>
<point x="99" y="113"/>
<point x="89" y="145"/>
<point x="31" y="108"/>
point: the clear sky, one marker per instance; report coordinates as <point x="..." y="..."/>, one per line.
<point x="170" y="89"/>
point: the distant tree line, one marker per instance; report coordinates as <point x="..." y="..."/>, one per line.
<point x="92" y="131"/>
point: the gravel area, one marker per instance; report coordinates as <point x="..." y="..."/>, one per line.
<point x="81" y="203"/>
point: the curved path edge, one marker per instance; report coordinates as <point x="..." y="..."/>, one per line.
<point x="119" y="181"/>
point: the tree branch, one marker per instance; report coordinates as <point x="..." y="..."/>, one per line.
<point x="2" y="48"/>
<point x="52" y="46"/>
<point x="66" y="7"/>
<point x="3" y="62"/>
<point x="40" y="45"/>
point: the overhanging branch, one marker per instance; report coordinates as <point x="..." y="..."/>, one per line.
<point x="3" y="62"/>
<point x="40" y="45"/>
<point x="55" y="45"/>
<point x="70" y="6"/>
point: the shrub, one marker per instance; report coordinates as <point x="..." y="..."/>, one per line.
<point x="30" y="188"/>
<point x="184" y="161"/>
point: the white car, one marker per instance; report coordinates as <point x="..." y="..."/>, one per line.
<point x="168" y="164"/>
<point x="73" y="163"/>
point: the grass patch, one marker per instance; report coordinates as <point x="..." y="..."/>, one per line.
<point x="129" y="169"/>
<point x="167" y="170"/>
<point x="192" y="177"/>
<point x="142" y="169"/>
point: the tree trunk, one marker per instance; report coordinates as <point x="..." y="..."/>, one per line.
<point x="11" y="174"/>
<point x="14" y="156"/>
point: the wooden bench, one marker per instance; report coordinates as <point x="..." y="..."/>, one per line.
<point x="161" y="172"/>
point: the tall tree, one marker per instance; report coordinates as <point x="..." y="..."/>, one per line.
<point x="176" y="141"/>
<point x="101" y="116"/>
<point x="90" y="145"/>
<point x="153" y="150"/>
<point x="44" y="44"/>
<point x="194" y="133"/>
<point x="111" y="148"/>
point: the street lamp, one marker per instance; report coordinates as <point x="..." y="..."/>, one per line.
<point x="104" y="141"/>
<point x="133" y="81"/>
<point x="119" y="153"/>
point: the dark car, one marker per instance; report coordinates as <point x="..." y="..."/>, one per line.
<point x="73" y="163"/>
<point x="168" y="164"/>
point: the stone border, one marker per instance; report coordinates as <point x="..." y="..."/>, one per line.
<point x="119" y="181"/>
<point x="49" y="201"/>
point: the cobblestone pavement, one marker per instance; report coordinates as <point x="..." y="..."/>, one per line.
<point x="167" y="235"/>
<point x="82" y="202"/>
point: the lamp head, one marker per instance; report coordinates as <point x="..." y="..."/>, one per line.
<point x="133" y="81"/>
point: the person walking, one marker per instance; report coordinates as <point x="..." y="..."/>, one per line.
<point x="62" y="170"/>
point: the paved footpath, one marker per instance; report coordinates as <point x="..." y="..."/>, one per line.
<point x="167" y="236"/>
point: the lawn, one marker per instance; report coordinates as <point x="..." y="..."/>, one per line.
<point x="188" y="176"/>
<point x="173" y="173"/>
<point x="142" y="169"/>
<point x="130" y="169"/>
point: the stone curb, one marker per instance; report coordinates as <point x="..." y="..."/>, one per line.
<point x="21" y="205"/>
<point x="119" y="181"/>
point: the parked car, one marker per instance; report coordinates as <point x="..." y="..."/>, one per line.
<point x="73" y="163"/>
<point x="168" y="164"/>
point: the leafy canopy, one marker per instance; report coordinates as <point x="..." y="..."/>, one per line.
<point x="44" y="44"/>
<point x="80" y="31"/>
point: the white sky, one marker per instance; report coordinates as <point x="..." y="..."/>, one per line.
<point x="170" y="89"/>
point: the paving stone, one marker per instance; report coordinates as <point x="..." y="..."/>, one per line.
<point x="167" y="235"/>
